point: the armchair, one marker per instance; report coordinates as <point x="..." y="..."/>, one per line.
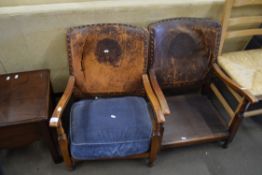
<point x="190" y="87"/>
<point x="110" y="117"/>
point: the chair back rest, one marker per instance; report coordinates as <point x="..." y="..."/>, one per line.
<point x="182" y="50"/>
<point x="229" y="22"/>
<point x="107" y="59"/>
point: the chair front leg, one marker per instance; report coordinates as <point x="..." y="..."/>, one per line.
<point x="242" y="106"/>
<point x="63" y="144"/>
<point x="155" y="143"/>
<point x="56" y="122"/>
<point x="159" y="120"/>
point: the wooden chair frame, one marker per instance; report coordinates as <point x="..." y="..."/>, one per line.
<point x="236" y="116"/>
<point x="158" y="120"/>
<point x="242" y="96"/>
<point x="228" y="21"/>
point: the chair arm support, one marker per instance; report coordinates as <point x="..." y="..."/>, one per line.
<point x="153" y="100"/>
<point x="159" y="93"/>
<point x="54" y="121"/>
<point x="241" y="90"/>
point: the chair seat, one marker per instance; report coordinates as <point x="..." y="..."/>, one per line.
<point x="245" y="67"/>
<point x="107" y="128"/>
<point x="193" y="119"/>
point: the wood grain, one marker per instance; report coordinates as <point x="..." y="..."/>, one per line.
<point x="153" y="100"/>
<point x="25" y="104"/>
<point x="245" y="20"/>
<point x="55" y="119"/>
<point x="159" y="93"/>
<point x="218" y="72"/>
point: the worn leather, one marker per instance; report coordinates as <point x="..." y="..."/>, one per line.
<point x="182" y="50"/>
<point x="108" y="58"/>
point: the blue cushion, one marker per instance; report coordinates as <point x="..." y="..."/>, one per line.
<point x="107" y="128"/>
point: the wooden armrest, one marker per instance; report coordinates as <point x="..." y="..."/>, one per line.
<point x="153" y="100"/>
<point x="54" y="121"/>
<point x="241" y="90"/>
<point x="159" y="93"/>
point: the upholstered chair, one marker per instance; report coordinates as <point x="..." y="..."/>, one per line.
<point x="115" y="113"/>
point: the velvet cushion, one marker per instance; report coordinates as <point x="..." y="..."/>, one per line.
<point x="245" y="67"/>
<point x="107" y="128"/>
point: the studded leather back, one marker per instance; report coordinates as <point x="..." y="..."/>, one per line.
<point x="182" y="50"/>
<point x="108" y="58"/>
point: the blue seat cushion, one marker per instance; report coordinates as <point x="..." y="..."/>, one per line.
<point x="109" y="127"/>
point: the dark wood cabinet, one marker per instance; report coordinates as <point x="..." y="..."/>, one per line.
<point x="25" y="104"/>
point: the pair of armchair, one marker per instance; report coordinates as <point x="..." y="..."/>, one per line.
<point x="137" y="91"/>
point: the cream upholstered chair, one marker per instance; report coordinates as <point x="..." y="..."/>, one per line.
<point x="243" y="67"/>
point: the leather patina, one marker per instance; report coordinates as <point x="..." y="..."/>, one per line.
<point x="182" y="50"/>
<point x="107" y="58"/>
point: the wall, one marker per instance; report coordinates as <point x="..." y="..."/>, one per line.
<point x="38" y="2"/>
<point x="33" y="36"/>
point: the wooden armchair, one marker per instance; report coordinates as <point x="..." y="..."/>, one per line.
<point x="110" y="118"/>
<point x="243" y="67"/>
<point x="183" y="54"/>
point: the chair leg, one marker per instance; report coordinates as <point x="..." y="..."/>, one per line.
<point x="153" y="152"/>
<point x="63" y="143"/>
<point x="236" y="121"/>
<point x="150" y="163"/>
<point x="223" y="144"/>
<point x="155" y="146"/>
<point x="232" y="131"/>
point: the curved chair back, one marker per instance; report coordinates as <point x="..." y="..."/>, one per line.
<point x="107" y="58"/>
<point x="182" y="50"/>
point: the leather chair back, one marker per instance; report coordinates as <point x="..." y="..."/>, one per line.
<point x="108" y="58"/>
<point x="182" y="50"/>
